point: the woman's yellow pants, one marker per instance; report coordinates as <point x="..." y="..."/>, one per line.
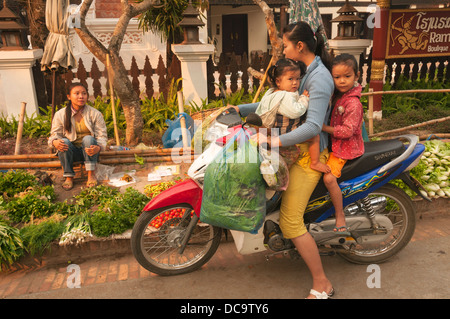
<point x="302" y="182"/>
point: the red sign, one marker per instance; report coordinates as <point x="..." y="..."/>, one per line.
<point x="416" y="33"/>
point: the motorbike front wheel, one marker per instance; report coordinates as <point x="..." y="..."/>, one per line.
<point x="402" y="213"/>
<point x="157" y="236"/>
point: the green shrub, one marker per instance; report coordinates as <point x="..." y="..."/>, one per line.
<point x="401" y="103"/>
<point x="34" y="126"/>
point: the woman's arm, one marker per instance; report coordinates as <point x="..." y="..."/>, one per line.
<point x="57" y="128"/>
<point x="246" y="109"/>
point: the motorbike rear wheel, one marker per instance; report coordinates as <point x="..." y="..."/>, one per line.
<point x="402" y="213"/>
<point x="157" y="236"/>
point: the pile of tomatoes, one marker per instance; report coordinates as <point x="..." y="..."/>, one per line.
<point x="159" y="220"/>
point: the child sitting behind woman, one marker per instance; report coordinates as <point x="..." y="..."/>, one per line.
<point x="283" y="108"/>
<point x="345" y="129"/>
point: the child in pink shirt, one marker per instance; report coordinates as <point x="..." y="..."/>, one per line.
<point x="345" y="129"/>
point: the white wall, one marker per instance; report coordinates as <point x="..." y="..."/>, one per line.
<point x="257" y="30"/>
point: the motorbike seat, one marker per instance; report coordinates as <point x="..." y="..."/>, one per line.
<point x="376" y="153"/>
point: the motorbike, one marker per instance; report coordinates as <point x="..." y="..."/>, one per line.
<point x="169" y="237"/>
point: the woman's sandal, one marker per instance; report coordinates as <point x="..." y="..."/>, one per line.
<point x="67" y="185"/>
<point x="91" y="183"/>
<point x="323" y="294"/>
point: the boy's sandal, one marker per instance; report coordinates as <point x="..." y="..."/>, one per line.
<point x="67" y="185"/>
<point x="343" y="230"/>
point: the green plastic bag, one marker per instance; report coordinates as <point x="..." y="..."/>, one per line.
<point x="233" y="189"/>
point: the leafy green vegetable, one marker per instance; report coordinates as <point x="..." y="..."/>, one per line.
<point x="433" y="170"/>
<point x="139" y="160"/>
<point x="31" y="204"/>
<point x="13" y="182"/>
<point x="11" y="245"/>
<point x="38" y="238"/>
<point x="234" y="190"/>
<point x="119" y="214"/>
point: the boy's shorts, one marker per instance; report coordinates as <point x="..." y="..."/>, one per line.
<point x="336" y="164"/>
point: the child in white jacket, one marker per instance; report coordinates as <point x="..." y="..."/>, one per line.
<point x="283" y="108"/>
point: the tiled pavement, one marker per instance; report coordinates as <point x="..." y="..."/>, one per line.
<point x="100" y="270"/>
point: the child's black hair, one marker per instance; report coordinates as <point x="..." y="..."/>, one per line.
<point x="346" y="59"/>
<point x="284" y="65"/>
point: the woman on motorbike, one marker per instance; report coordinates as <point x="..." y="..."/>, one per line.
<point x="302" y="44"/>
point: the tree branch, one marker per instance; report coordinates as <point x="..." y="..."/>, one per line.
<point x="91" y="42"/>
<point x="121" y="27"/>
<point x="138" y="8"/>
<point x="128" y="12"/>
<point x="275" y="40"/>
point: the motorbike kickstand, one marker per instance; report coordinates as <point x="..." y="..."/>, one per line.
<point x="188" y="233"/>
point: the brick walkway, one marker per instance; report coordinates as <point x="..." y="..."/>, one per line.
<point x="102" y="270"/>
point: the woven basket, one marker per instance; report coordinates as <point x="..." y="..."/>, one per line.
<point x="201" y="115"/>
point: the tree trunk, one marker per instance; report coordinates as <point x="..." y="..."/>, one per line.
<point x="129" y="100"/>
<point x="122" y="83"/>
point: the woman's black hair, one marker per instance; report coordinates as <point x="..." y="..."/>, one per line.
<point x="68" y="114"/>
<point x="315" y="42"/>
<point x="346" y="59"/>
<point x="284" y="65"/>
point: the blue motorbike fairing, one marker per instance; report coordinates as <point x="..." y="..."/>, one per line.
<point x="358" y="188"/>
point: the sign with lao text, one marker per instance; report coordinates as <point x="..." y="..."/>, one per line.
<point x="417" y="33"/>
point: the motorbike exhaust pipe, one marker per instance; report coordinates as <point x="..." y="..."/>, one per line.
<point x="378" y="204"/>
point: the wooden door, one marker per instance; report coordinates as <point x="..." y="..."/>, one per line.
<point x="235" y="34"/>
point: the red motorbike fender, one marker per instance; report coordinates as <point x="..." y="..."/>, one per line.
<point x="186" y="192"/>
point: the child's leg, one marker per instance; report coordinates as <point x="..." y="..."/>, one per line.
<point x="314" y="152"/>
<point x="336" y="197"/>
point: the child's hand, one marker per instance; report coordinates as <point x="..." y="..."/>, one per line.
<point x="306" y="93"/>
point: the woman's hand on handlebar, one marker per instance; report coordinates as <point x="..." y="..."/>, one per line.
<point x="234" y="107"/>
<point x="261" y="139"/>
